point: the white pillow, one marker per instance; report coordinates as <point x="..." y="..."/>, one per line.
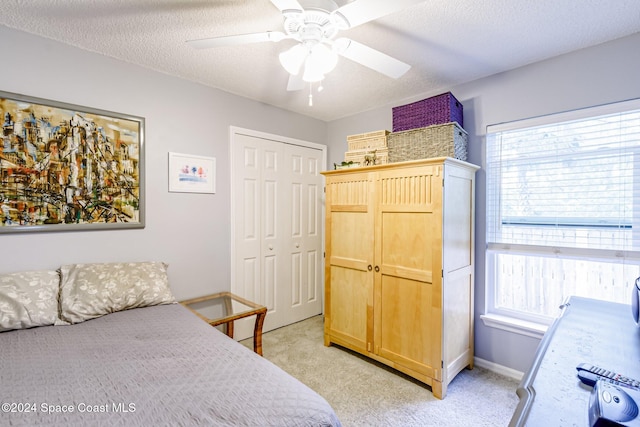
<point x="88" y="291"/>
<point x="28" y="299"/>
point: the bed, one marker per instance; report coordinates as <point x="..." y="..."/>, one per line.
<point x="156" y="364"/>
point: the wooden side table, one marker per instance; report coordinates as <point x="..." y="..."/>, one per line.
<point x="224" y="308"/>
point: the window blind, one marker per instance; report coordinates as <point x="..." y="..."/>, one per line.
<point x="566" y="184"/>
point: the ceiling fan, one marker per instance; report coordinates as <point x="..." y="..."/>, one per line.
<point x="315" y="24"/>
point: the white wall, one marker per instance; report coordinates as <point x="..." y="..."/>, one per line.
<point x="191" y="231"/>
<point x="188" y="231"/>
<point x="594" y="76"/>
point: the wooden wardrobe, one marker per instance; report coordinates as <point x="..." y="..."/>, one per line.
<point x="399" y="266"/>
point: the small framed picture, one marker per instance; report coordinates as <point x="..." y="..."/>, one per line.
<point x="192" y="174"/>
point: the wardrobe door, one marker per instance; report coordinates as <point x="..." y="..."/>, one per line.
<point x="408" y="326"/>
<point x="348" y="261"/>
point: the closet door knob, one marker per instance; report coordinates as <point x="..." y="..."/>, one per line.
<point x="369" y="267"/>
<point x="377" y="269"/>
<point x="297" y="245"/>
<point x="270" y="247"/>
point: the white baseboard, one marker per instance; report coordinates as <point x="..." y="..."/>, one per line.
<point x="498" y="369"/>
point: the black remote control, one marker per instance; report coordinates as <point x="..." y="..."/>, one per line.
<point x="589" y="374"/>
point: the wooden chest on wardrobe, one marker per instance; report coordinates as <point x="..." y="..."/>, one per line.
<point x="399" y="266"/>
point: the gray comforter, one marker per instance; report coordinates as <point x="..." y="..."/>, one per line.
<point x="149" y="366"/>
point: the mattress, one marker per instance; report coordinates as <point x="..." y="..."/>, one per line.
<point x="152" y="366"/>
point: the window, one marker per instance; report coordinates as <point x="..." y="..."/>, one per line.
<point x="563" y="210"/>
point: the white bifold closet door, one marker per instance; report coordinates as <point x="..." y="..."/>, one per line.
<point x="277" y="227"/>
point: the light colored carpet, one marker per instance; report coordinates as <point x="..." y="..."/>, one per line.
<point x="366" y="393"/>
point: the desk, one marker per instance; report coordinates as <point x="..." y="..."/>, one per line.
<point x="591" y="331"/>
<point x="224" y="308"/>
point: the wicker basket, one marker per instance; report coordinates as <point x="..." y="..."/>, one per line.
<point x="439" y="109"/>
<point x="379" y="156"/>
<point x="446" y="140"/>
<point x="368" y="141"/>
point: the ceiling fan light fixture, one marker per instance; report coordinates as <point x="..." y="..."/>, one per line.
<point x="292" y="59"/>
<point x="312" y="73"/>
<point x="321" y="60"/>
<point x="314" y="25"/>
<point x="324" y="57"/>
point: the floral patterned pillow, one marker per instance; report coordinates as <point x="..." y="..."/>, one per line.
<point x="88" y="291"/>
<point x="28" y="299"/>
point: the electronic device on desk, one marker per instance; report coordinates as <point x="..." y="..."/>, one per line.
<point x="635" y="302"/>
<point x="615" y="398"/>
<point x="612" y="405"/>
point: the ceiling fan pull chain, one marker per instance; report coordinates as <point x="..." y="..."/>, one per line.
<point x="310" y="94"/>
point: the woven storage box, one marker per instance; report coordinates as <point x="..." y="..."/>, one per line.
<point x="446" y="140"/>
<point x="360" y="157"/>
<point x="368" y="141"/>
<point x="438" y="109"/>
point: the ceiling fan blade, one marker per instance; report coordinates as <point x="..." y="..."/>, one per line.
<point x="295" y="82"/>
<point x="371" y="58"/>
<point x="288" y="5"/>
<point x="362" y="11"/>
<point x="269" y="36"/>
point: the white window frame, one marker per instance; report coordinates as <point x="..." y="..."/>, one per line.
<point x="523" y="323"/>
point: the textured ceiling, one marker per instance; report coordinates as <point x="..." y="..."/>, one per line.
<point x="447" y="42"/>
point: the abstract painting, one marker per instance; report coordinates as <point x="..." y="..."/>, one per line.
<point x="67" y="167"/>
